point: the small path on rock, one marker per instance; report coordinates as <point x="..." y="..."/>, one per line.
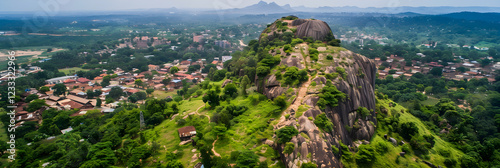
<point x="213" y="147"/>
<point x="302" y="92"/>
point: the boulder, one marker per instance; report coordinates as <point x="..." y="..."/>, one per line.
<point x="227" y="81"/>
<point x="315" y="29"/>
<point x="394" y="142"/>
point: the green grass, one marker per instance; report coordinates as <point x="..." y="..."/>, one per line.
<point x="163" y="94"/>
<point x="410" y="160"/>
<point x="71" y="71"/>
<point x="19" y="60"/>
<point x="190" y="105"/>
<point x="301" y="110"/>
<point x="251" y="127"/>
<point x="167" y="136"/>
<point x="430" y="101"/>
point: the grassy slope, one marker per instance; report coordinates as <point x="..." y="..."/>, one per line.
<point x="251" y="127"/>
<point x="246" y="134"/>
<point x="410" y="160"/>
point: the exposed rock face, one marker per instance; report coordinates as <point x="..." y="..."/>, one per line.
<point x="316" y="29"/>
<point x="313" y="145"/>
<point x="348" y="125"/>
<point x="272" y="88"/>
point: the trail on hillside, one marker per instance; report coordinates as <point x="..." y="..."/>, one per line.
<point x="213" y="147"/>
<point x="301" y="93"/>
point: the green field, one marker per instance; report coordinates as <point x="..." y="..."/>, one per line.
<point x="71" y="71"/>
<point x="20" y="59"/>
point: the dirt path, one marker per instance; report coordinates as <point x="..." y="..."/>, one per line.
<point x="298" y="100"/>
<point x="196" y="112"/>
<point x="242" y="44"/>
<point x="213" y="147"/>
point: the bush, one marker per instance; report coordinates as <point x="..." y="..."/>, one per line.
<point x="323" y="122"/>
<point x="280" y="101"/>
<point x="329" y="57"/>
<point x="382" y="147"/>
<point x="308" y="165"/>
<point x="363" y="112"/>
<point x="331" y="76"/>
<point x="330" y="95"/>
<point x="335" y="150"/>
<point x="289" y="147"/>
<point x="346" y="154"/>
<point x="366" y="154"/>
<point x="285" y="134"/>
<point x="342" y="72"/>
<point x="313" y="83"/>
<point x="406" y="148"/>
<point x="450" y="162"/>
<point x="408" y="129"/>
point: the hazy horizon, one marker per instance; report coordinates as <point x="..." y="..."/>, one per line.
<point x="117" y="5"/>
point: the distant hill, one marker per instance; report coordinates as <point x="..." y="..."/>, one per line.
<point x="394" y="10"/>
<point x="261" y="8"/>
<point x="489" y="17"/>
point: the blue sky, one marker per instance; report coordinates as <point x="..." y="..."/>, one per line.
<point x="100" y="5"/>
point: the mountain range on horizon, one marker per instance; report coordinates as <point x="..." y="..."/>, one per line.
<point x="273" y="8"/>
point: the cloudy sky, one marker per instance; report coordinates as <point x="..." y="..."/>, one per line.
<point x="100" y="5"/>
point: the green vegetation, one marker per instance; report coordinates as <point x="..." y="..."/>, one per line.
<point x="285" y="134"/>
<point x="330" y="96"/>
<point x="323" y="122"/>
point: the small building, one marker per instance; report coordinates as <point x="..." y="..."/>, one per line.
<point x="226" y="58"/>
<point x="185" y="133"/>
<point x="64" y="131"/>
<point x="60" y="79"/>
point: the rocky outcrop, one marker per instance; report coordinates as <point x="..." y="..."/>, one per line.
<point x="349" y="127"/>
<point x="316" y="29"/>
<point x="271" y="88"/>
<point x="314" y="144"/>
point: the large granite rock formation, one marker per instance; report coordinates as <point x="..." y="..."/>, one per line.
<point x="316" y="29"/>
<point x="313" y="144"/>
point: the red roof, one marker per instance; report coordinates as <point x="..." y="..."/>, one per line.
<point x="133" y="91"/>
<point x="69" y="81"/>
<point x="214" y="62"/>
<point x="83" y="80"/>
<point x="182" y="74"/>
<point x="73" y="104"/>
<point x="185" y="62"/>
<point x="98" y="78"/>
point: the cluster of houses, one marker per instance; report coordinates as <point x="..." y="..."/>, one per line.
<point x="474" y="69"/>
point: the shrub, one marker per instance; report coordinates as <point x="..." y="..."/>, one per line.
<point x="280" y="101"/>
<point x="382" y="147"/>
<point x="285" y="134"/>
<point x="406" y="148"/>
<point x="289" y="147"/>
<point x="450" y="162"/>
<point x="366" y="154"/>
<point x="335" y="150"/>
<point x="323" y="122"/>
<point x="313" y="83"/>
<point x="363" y="112"/>
<point x="408" y="129"/>
<point x="346" y="154"/>
<point x="329" y="57"/>
<point x="308" y="165"/>
<point x="342" y="72"/>
<point x="330" y="95"/>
